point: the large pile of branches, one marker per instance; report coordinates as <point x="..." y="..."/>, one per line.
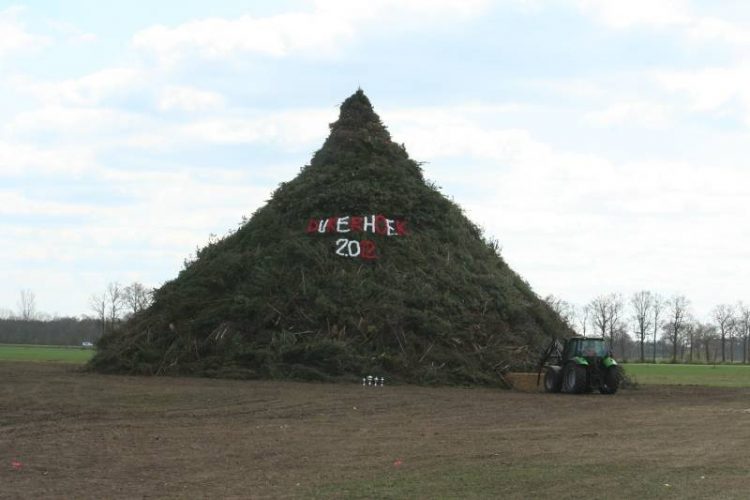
<point x="428" y="301"/>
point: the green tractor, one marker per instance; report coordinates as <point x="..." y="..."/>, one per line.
<point x="578" y="365"/>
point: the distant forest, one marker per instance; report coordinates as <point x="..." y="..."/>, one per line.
<point x="58" y="331"/>
<point x="27" y="325"/>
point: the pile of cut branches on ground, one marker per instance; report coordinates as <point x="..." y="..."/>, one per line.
<point x="357" y="265"/>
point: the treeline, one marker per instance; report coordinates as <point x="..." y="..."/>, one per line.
<point x="117" y="303"/>
<point x="649" y="327"/>
<point x="58" y="331"/>
<point x="27" y="325"/>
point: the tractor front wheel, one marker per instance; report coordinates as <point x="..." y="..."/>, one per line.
<point x="611" y="380"/>
<point x="553" y="379"/>
<point x="574" y="378"/>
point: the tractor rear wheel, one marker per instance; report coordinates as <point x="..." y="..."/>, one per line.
<point x="611" y="380"/>
<point x="553" y="379"/>
<point x="574" y="378"/>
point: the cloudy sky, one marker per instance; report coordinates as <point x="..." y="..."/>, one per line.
<point x="604" y="143"/>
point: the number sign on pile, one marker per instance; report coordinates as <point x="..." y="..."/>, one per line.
<point x="361" y="225"/>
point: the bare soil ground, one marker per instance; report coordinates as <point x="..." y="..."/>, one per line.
<point x="67" y="434"/>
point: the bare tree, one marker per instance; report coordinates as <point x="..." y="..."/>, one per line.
<point x="723" y="314"/>
<point x="677" y="321"/>
<point x="137" y="297"/>
<point x="642" y="302"/>
<point x="114" y="295"/>
<point x="656" y="309"/>
<point x="707" y="335"/>
<point x="583" y="318"/>
<point x="98" y="304"/>
<point x="606" y="318"/>
<point x="600" y="314"/>
<point x="743" y="327"/>
<point x="701" y="334"/>
<point x="617" y="330"/>
<point x="691" y="335"/>
<point x="27" y="305"/>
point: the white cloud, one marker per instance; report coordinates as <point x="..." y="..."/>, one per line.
<point x="287" y="129"/>
<point x="617" y="225"/>
<point x="711" y="28"/>
<point x="23" y="159"/>
<point x="395" y="8"/>
<point x="676" y="15"/>
<point x="516" y="156"/>
<point x="461" y="131"/>
<point x="319" y="32"/>
<point x="12" y="203"/>
<point x="723" y="90"/>
<point x="290" y="128"/>
<point x="217" y="38"/>
<point x="166" y="216"/>
<point x="633" y="113"/>
<point x="96" y="129"/>
<point x="70" y="32"/>
<point x="78" y="125"/>
<point x="184" y="98"/>
<point x="619" y="14"/>
<point x="189" y="204"/>
<point x="14" y="36"/>
<point x="89" y="90"/>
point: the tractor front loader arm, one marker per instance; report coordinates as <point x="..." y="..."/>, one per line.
<point x="553" y="351"/>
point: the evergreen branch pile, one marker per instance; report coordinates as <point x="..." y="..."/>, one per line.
<point x="437" y="304"/>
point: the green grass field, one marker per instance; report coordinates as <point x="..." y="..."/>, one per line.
<point x="46" y="353"/>
<point x="707" y="375"/>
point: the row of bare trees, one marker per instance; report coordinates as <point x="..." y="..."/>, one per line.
<point x="117" y="302"/>
<point x="28" y="325"/>
<point x="25" y="308"/>
<point x="661" y="325"/>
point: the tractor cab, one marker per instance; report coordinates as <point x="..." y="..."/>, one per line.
<point x="589" y="348"/>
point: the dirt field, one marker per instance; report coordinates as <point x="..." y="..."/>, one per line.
<point x="67" y="434"/>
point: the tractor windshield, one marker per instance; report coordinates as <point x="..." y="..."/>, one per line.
<point x="592" y="348"/>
